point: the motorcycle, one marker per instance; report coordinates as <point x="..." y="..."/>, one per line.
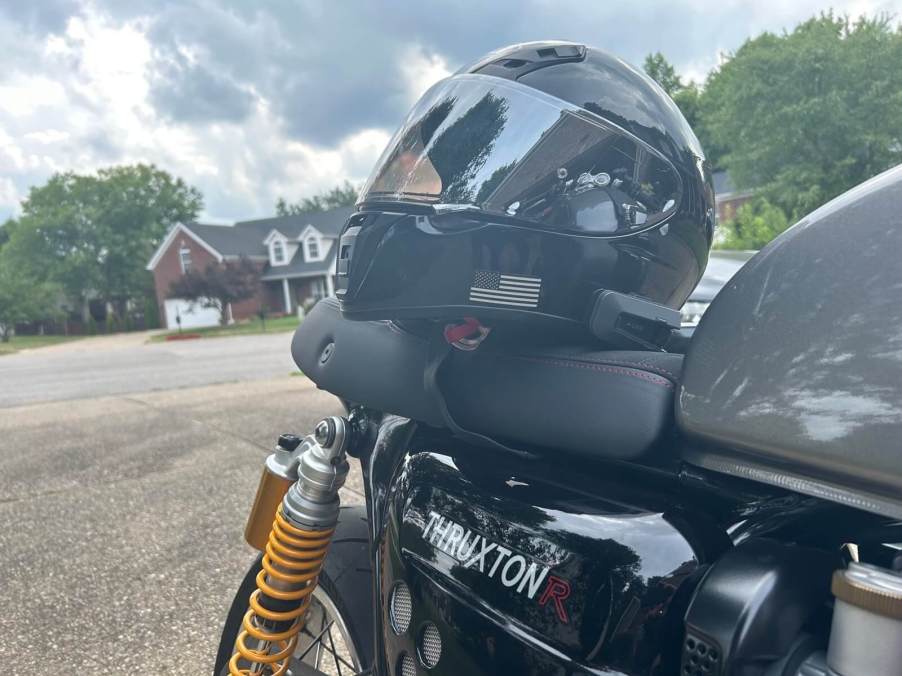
<point x="571" y="510"/>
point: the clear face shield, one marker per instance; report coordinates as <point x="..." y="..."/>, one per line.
<point x="481" y="144"/>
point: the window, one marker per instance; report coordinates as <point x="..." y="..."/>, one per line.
<point x="278" y="252"/>
<point x="185" y="259"/>
<point x="312" y="249"/>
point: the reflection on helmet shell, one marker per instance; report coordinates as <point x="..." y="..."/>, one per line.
<point x="504" y="149"/>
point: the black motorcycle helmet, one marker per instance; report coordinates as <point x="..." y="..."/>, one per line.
<point x="521" y="187"/>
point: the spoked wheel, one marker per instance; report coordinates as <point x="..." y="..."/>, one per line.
<point x="337" y="639"/>
<point x="325" y="645"/>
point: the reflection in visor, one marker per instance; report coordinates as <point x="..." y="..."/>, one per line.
<point x="479" y="142"/>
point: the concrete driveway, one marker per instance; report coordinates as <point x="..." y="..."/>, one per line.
<point x="122" y="507"/>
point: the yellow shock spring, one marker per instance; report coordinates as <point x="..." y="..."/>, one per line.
<point x="291" y="564"/>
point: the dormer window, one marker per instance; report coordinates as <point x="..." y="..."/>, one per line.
<point x="185" y="258"/>
<point x="278" y="252"/>
<point x="312" y="249"/>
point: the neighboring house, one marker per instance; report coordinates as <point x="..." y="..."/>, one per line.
<point x="727" y="197"/>
<point x="295" y="255"/>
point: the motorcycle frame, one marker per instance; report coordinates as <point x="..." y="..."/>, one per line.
<point x="717" y="513"/>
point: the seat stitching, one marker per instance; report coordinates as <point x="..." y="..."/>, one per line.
<point x="642" y="375"/>
<point x="640" y="365"/>
<point x="650" y="366"/>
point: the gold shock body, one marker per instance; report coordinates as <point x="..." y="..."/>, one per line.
<point x="270" y="491"/>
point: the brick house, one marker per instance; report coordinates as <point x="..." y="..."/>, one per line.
<point x="295" y="255"/>
<point x="727" y="196"/>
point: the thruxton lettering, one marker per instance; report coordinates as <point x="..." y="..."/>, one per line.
<point x="474" y="550"/>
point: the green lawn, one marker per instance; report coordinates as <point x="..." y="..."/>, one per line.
<point x="238" y="329"/>
<point x="17" y="343"/>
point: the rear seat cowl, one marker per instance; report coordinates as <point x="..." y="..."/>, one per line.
<point x="604" y="404"/>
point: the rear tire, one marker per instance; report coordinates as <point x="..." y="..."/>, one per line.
<point x="346" y="580"/>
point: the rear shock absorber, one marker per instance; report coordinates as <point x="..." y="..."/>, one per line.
<point x="294" y="552"/>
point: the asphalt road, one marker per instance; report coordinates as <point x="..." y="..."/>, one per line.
<point x="124" y="364"/>
<point x="122" y="509"/>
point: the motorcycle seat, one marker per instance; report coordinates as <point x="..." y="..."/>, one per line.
<point x="579" y="399"/>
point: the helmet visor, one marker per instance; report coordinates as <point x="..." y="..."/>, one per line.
<point x="484" y="144"/>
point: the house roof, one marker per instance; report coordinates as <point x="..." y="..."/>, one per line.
<point x="246" y="238"/>
<point x="231" y="240"/>
<point x="327" y="222"/>
<point x="298" y="267"/>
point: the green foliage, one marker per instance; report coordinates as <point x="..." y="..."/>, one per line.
<point x="756" y="223"/>
<point x="5" y="230"/>
<point x="93" y="234"/>
<point x="662" y="71"/>
<point x="92" y="326"/>
<point x="344" y="195"/>
<point x="23" y="298"/>
<point x="808" y="114"/>
<point x="217" y="285"/>
<point x="687" y="95"/>
<point x="151" y="313"/>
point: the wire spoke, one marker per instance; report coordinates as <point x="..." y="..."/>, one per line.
<point x="323" y="641"/>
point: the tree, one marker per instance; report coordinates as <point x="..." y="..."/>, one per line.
<point x="22" y="298"/>
<point x="5" y="230"/>
<point x="755" y="224"/>
<point x="808" y="114"/>
<point x="687" y="95"/>
<point x="217" y="285"/>
<point x="344" y="195"/>
<point x="662" y="71"/>
<point x="93" y="234"/>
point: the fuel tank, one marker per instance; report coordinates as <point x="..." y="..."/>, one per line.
<point x="794" y="375"/>
<point x="492" y="569"/>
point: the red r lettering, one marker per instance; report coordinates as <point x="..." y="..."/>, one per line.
<point x="557" y="590"/>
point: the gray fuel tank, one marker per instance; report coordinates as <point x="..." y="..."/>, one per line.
<point x="794" y="375"/>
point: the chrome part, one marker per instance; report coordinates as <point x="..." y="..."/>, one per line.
<point x="430" y="646"/>
<point x="283" y="461"/>
<point x="866" y="637"/>
<point x="312" y="502"/>
<point x="400" y="608"/>
<point x="797" y="483"/>
<point x="451" y="208"/>
<point x="325" y="644"/>
<point x="324" y="433"/>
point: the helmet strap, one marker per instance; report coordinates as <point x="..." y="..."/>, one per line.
<point x="439" y="350"/>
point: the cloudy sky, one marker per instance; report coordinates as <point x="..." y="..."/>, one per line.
<point x="249" y="100"/>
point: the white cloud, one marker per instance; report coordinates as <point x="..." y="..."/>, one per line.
<point x="81" y="95"/>
<point x="421" y="70"/>
<point x="9" y="195"/>
<point x="26" y="95"/>
<point x="87" y="106"/>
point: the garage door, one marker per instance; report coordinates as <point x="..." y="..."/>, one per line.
<point x="193" y="315"/>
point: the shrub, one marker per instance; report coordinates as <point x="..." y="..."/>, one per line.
<point x="755" y="224"/>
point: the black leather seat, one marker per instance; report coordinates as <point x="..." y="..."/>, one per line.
<point x="612" y="404"/>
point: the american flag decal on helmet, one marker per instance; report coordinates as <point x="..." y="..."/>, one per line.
<point x="493" y="288"/>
